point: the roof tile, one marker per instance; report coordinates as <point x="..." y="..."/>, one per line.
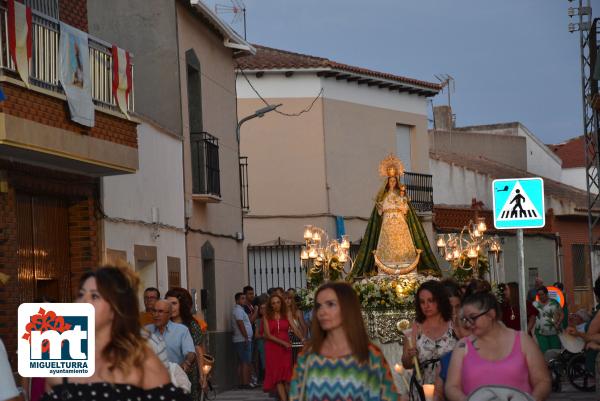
<point x="267" y="58"/>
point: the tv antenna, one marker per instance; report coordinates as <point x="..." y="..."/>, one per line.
<point x="237" y="8"/>
<point x="447" y="81"/>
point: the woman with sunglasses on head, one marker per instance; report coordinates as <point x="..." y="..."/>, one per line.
<point x="494" y="354"/>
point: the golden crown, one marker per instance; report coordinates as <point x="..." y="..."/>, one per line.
<point x="391" y="166"/>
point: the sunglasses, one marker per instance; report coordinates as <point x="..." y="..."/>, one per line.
<point x="470" y="320"/>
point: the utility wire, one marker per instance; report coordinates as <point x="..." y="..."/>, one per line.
<point x="306" y="110"/>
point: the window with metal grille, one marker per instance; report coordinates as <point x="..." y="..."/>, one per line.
<point x="580" y="265"/>
<point x="531" y="276"/>
<point x="205" y="164"/>
<point x="48" y="7"/>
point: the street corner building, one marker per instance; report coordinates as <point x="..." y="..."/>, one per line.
<point x="65" y="122"/>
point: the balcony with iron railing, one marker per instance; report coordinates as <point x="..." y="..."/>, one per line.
<point x="44" y="67"/>
<point x="206" y="175"/>
<point x="419" y="189"/>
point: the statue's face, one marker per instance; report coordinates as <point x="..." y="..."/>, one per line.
<point x="392" y="182"/>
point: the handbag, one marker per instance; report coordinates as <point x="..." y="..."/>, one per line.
<point x="295" y="340"/>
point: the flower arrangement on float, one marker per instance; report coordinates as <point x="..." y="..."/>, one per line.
<point x="377" y="292"/>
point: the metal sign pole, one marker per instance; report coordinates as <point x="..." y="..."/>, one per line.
<point x="522" y="289"/>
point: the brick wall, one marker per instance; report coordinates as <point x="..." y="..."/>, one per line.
<point x="74" y="12"/>
<point x="573" y="230"/>
<point x="83" y="233"/>
<point x="8" y="265"/>
<point x="54" y="112"/>
<point x="83" y="237"/>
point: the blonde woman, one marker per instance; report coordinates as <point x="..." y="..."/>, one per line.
<point x="126" y="368"/>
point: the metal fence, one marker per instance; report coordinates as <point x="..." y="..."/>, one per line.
<point x="278" y="265"/>
<point x="419" y="189"/>
<point x="44" y="68"/>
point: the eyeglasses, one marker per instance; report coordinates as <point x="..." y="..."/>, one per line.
<point x="159" y="312"/>
<point x="150" y="297"/>
<point x="470" y="320"/>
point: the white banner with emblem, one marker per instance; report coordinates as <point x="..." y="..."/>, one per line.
<point x="75" y="74"/>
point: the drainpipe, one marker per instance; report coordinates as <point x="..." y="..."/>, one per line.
<point x="559" y="258"/>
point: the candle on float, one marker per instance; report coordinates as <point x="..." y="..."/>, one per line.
<point x="400" y="370"/>
<point x="428" y="390"/>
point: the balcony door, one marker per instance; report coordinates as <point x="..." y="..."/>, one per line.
<point x="403" y="145"/>
<point x="43" y="253"/>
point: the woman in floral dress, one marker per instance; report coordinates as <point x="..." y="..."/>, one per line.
<point x="432" y="333"/>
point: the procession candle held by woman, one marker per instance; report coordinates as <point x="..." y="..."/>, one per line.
<point x="432" y="334"/>
<point x="428" y="390"/>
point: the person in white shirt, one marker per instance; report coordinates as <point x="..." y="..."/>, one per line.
<point x="8" y="388"/>
<point x="242" y="338"/>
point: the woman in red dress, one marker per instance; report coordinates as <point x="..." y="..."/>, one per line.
<point x="278" y="350"/>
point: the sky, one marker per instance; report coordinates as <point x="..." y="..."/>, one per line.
<point x="512" y="60"/>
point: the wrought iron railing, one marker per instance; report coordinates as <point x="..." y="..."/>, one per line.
<point x="205" y="164"/>
<point x="419" y="189"/>
<point x="244" y="183"/>
<point x="279" y="265"/>
<point x="44" y="69"/>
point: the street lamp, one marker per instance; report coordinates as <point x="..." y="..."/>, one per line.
<point x="260" y="113"/>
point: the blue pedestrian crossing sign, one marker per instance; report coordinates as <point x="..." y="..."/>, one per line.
<point x="518" y="203"/>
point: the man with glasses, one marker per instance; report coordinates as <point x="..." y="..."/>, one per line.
<point x="180" y="346"/>
<point x="151" y="295"/>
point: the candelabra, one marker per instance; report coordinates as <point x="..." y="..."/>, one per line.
<point x="463" y="250"/>
<point x="320" y="255"/>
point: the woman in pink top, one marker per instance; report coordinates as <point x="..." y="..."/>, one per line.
<point x="494" y="354"/>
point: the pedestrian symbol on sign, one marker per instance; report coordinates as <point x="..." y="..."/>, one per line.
<point x="518" y="203"/>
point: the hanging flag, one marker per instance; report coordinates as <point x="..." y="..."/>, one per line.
<point x="19" y="38"/>
<point x="121" y="84"/>
<point x="74" y="68"/>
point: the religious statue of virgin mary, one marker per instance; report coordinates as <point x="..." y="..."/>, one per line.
<point x="395" y="242"/>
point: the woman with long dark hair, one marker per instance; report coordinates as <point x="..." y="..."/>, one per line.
<point x="340" y="363"/>
<point x="432" y="332"/>
<point x="181" y="312"/>
<point x="126" y="368"/>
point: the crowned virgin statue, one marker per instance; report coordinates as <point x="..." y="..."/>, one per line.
<point x="395" y="242"/>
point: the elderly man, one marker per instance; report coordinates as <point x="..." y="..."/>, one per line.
<point x="180" y="346"/>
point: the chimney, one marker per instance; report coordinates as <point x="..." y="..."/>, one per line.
<point x="442" y="118"/>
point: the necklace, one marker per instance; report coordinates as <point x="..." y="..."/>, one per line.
<point x="512" y="314"/>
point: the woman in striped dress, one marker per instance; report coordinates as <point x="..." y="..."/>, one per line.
<point x="340" y="363"/>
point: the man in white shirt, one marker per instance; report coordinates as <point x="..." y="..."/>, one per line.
<point x="242" y="338"/>
<point x="8" y="389"/>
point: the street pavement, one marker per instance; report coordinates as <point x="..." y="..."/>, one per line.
<point x="568" y="394"/>
<point x="256" y="394"/>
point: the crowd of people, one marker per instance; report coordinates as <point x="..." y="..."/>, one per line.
<point x="463" y="338"/>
